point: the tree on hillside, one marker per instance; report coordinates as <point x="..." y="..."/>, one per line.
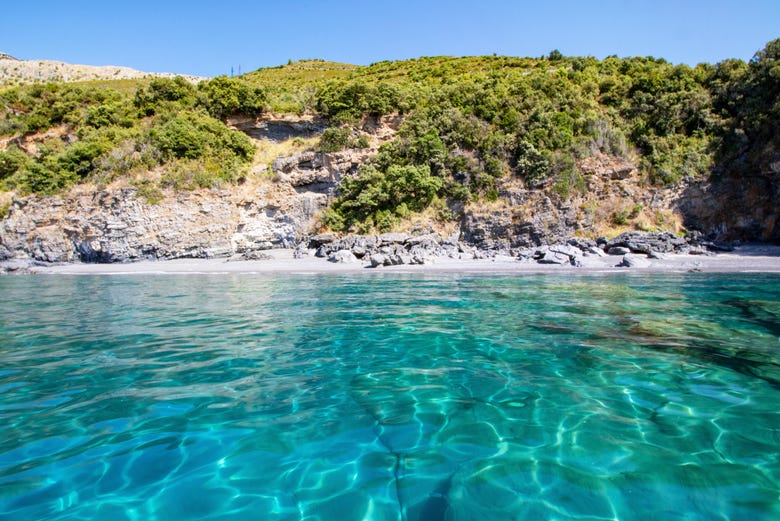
<point x="223" y="97"/>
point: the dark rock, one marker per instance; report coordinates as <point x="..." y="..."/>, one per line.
<point x="699" y="250"/>
<point x="320" y="240"/>
<point x="618" y="250"/>
<point x="582" y="244"/>
<point x="643" y="242"/>
<point x="301" y="250"/>
<point x="92" y="252"/>
<point x="395" y="260"/>
<point x="621" y="171"/>
<point x="426" y="239"/>
<point x="393" y="238"/>
<point x="420" y="249"/>
<point x="280" y="129"/>
<point x="452" y="240"/>
<point x="304" y="161"/>
<point x="694" y="237"/>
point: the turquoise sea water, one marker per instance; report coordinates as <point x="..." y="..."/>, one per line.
<point x="403" y="397"/>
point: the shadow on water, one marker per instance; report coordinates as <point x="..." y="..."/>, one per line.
<point x="742" y="361"/>
<point x="436" y="506"/>
<point x="759" y="312"/>
<point x="437" y="503"/>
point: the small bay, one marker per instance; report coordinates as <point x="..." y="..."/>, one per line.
<point x="390" y="396"/>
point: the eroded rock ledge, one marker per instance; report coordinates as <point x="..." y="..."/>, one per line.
<point x="630" y="249"/>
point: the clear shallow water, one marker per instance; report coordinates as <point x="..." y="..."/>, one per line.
<point x="390" y="397"/>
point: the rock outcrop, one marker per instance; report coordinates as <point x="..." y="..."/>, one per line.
<point x="523" y="218"/>
<point x="634" y="249"/>
<point x="119" y="226"/>
<point x="278" y="128"/>
<point x="743" y="208"/>
<point x="641" y="242"/>
<point x="513" y="226"/>
<point x="389" y="249"/>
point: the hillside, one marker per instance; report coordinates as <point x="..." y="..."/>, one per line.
<point x="503" y="151"/>
<point x="18" y="72"/>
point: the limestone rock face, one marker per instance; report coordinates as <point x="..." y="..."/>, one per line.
<point x="277" y="128"/>
<point x="118" y="226"/>
<point x="317" y="171"/>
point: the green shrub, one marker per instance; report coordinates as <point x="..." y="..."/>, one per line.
<point x="349" y="101"/>
<point x="164" y="94"/>
<point x="377" y="199"/>
<point x="334" y="139"/>
<point x="223" y="97"/>
<point x="11" y="161"/>
<point x="181" y="137"/>
<point x="148" y="191"/>
<point x="531" y="164"/>
<point x="193" y="136"/>
<point x="620" y="217"/>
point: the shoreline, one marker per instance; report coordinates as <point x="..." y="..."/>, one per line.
<point x="745" y="259"/>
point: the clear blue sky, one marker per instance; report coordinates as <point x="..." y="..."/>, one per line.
<point x="208" y="37"/>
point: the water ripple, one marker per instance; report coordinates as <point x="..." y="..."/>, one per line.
<point x="389" y="397"/>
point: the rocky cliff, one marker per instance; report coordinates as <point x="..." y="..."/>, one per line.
<point x="118" y="224"/>
<point x="278" y="208"/>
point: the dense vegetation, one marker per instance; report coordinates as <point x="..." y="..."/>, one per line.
<point x="468" y="124"/>
<point x="61" y="134"/>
